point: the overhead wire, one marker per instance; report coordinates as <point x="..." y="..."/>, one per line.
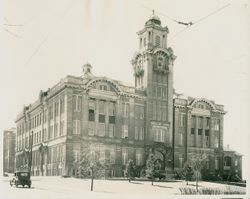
<point x="66" y="10"/>
<point x="187" y="24"/>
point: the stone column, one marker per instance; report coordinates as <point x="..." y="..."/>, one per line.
<point x="203" y="132"/>
<point x="211" y="135"/>
<point x="196" y="131"/>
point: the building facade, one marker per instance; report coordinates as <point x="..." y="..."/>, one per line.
<point x="9" y="143"/>
<point x="119" y="121"/>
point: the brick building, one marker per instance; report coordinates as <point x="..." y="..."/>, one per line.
<point x="9" y="143"/>
<point x="119" y="121"/>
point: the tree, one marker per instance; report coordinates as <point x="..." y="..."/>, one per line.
<point x="187" y="172"/>
<point x="150" y="167"/>
<point x="42" y="149"/>
<point x="91" y="165"/>
<point x="197" y="162"/>
<point x="130" y="170"/>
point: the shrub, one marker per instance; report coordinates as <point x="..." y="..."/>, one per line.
<point x="211" y="191"/>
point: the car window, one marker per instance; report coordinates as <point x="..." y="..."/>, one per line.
<point x="24" y="174"/>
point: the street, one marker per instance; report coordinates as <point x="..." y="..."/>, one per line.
<point x="57" y="187"/>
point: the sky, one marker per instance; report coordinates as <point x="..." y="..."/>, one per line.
<point x="43" y="41"/>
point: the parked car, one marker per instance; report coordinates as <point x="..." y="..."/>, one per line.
<point x="21" y="178"/>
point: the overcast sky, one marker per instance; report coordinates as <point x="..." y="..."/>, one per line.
<point x="53" y="39"/>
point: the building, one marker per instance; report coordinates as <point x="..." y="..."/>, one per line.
<point x="119" y="121"/>
<point x="9" y="143"/>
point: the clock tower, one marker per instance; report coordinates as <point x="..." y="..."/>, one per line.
<point x="153" y="72"/>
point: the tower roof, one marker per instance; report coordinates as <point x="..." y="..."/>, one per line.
<point x="154" y="19"/>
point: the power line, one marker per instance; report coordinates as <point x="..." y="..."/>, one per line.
<point x="66" y="10"/>
<point x="12" y="33"/>
<point x="212" y="13"/>
<point x="201" y="19"/>
<point x="187" y="24"/>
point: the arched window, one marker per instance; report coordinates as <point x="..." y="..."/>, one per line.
<point x="227" y="161"/>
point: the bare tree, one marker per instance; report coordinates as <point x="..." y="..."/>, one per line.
<point x="91" y="165"/>
<point x="197" y="162"/>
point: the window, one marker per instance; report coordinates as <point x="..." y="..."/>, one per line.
<point x="217" y="125"/>
<point x="227" y="161"/>
<point x="111" y="130"/>
<point x="140" y="42"/>
<point x="101" y="108"/>
<point x="138" y="159"/>
<point x="101" y="129"/>
<point x="62" y="105"/>
<point x="50" y="131"/>
<point x="125" y="109"/>
<point x="124" y="157"/>
<point x="77" y="102"/>
<point x="154" y="110"/>
<point x="159" y="135"/>
<point x="101" y="112"/>
<point x="207" y="122"/>
<point x="92" y="110"/>
<point x="124" y="131"/>
<point x="56" y="106"/>
<point x="157" y="40"/>
<point x="236" y="163"/>
<point x="111" y="109"/>
<point x="141" y="135"/>
<point x="181" y="139"/>
<point x="76" y="126"/>
<point x="112" y="156"/>
<point x="45" y="135"/>
<point x="62" y="128"/>
<point x="193" y="121"/>
<point x="141" y="116"/>
<point x="207" y="138"/>
<point x="200" y="122"/>
<point x="91" y="129"/>
<point x="192" y="131"/>
<point x="55" y="129"/>
<point x="216" y="142"/>
<point x="164" y="113"/>
<point x="139" y="112"/>
<point x="136" y="133"/>
<point x="101" y="118"/>
<point x="180" y="162"/>
<point x="103" y="87"/>
<point x="182" y="120"/>
<point x="159" y="92"/>
<point x="216" y="164"/>
<point x="45" y="116"/>
<point x="164" y="93"/>
<point x="76" y="152"/>
<point x="144" y="41"/>
<point x="159" y="111"/>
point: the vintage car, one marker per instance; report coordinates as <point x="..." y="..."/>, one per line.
<point x="21" y="178"/>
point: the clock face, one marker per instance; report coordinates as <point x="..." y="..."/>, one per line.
<point x="161" y="63"/>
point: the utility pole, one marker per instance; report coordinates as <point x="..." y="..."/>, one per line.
<point x="30" y="156"/>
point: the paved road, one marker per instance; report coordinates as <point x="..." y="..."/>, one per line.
<point x="57" y="187"/>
